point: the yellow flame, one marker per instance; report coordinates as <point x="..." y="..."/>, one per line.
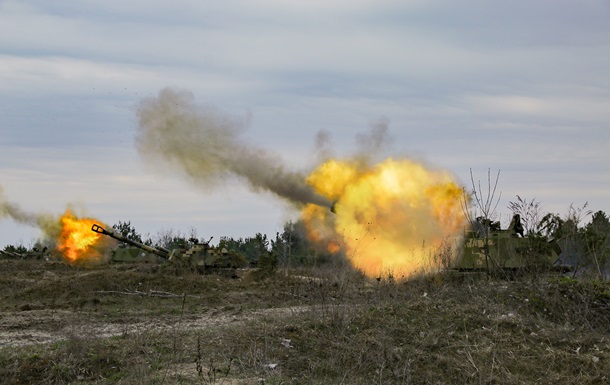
<point x="390" y="218"/>
<point x="76" y="241"/>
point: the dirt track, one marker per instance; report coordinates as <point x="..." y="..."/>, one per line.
<point x="21" y="328"/>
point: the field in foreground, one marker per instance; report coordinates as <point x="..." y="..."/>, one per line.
<point x="123" y="324"/>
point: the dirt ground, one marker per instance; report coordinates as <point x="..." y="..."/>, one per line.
<point x="36" y="309"/>
<point x="30" y="327"/>
<point x="145" y="324"/>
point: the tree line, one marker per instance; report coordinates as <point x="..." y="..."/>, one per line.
<point x="584" y="244"/>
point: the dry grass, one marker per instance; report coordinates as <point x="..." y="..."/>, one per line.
<point x="105" y="325"/>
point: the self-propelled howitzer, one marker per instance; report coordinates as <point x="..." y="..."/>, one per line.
<point x="200" y="257"/>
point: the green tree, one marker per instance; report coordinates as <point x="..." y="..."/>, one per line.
<point x="596" y="236"/>
<point x="291" y="246"/>
<point x="252" y="248"/>
<point x="550" y="226"/>
<point x="127" y="230"/>
<point x="597" y="231"/>
<point x="267" y="263"/>
<point x="570" y="239"/>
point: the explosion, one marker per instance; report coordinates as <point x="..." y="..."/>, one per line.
<point x="71" y="236"/>
<point x="395" y="217"/>
<point x="391" y="217"/>
<point x="76" y="242"/>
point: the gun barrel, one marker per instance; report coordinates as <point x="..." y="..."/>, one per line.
<point x="10" y="254"/>
<point x="161" y="251"/>
<point x="5" y="253"/>
<point x="333" y="207"/>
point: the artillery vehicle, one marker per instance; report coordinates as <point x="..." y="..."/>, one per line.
<point x="489" y="249"/>
<point x="5" y="254"/>
<point x="201" y="257"/>
<point x="34" y="254"/>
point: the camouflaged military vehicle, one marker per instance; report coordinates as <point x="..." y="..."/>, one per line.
<point x="200" y="257"/>
<point x="509" y="249"/>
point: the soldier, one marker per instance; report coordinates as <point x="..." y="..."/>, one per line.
<point x="515" y="225"/>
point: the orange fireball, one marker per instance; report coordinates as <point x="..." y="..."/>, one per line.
<point x="77" y="242"/>
<point x="391" y="218"/>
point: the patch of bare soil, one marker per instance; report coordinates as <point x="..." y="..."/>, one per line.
<point x="22" y="328"/>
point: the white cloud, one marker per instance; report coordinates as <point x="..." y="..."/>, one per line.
<point x="553" y="108"/>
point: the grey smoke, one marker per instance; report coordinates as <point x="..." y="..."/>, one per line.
<point x="372" y="144"/>
<point x="45" y="222"/>
<point x="323" y="148"/>
<point x="11" y="210"/>
<point x="205" y="145"/>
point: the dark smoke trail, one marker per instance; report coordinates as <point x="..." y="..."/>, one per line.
<point x="205" y="144"/>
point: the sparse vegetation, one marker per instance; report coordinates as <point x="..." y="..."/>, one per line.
<point x="131" y="324"/>
<point x="302" y="317"/>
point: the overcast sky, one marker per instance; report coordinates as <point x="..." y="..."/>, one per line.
<point x="522" y="87"/>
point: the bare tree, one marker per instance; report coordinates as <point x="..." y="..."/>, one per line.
<point x="530" y="214"/>
<point x="480" y="206"/>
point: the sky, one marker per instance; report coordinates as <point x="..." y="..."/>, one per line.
<point x="471" y="87"/>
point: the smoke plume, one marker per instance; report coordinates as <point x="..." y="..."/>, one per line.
<point x="47" y="223"/>
<point x="390" y="214"/>
<point x="206" y="146"/>
<point x="373" y="142"/>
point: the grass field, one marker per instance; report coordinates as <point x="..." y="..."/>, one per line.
<point x="144" y="324"/>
